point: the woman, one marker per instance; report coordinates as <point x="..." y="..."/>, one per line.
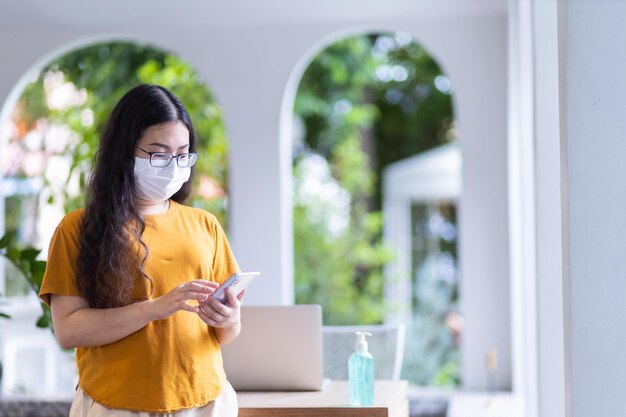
<point x="129" y="277"/>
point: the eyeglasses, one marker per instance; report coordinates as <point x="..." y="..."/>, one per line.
<point x="163" y="159"/>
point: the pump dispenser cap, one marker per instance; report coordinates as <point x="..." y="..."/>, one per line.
<point x="361" y="344"/>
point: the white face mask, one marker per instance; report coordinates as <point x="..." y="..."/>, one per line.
<point x="159" y="183"/>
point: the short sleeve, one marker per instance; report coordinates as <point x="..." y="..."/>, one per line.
<point x="61" y="270"/>
<point x="224" y="262"/>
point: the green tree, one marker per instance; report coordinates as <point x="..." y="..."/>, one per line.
<point x="339" y="267"/>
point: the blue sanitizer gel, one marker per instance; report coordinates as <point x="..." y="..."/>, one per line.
<point x="361" y="373"/>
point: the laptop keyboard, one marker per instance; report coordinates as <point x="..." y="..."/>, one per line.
<point x="32" y="408"/>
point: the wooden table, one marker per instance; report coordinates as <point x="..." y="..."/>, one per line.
<point x="390" y="400"/>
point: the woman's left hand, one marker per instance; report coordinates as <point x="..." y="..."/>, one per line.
<point x="216" y="314"/>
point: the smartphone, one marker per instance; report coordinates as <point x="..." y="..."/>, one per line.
<point x="238" y="281"/>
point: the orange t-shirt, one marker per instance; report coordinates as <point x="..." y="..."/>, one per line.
<point x="169" y="364"/>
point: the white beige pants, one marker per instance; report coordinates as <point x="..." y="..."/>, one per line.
<point x="223" y="406"/>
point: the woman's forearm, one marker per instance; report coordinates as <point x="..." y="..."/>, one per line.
<point x="76" y="324"/>
<point x="96" y="327"/>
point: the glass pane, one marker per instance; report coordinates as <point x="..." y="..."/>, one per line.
<point x="432" y="350"/>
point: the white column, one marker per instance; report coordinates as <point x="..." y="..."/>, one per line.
<point x="595" y="198"/>
<point x="522" y="207"/>
<point x="549" y="217"/>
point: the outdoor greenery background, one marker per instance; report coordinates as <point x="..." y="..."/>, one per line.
<point x="363" y="103"/>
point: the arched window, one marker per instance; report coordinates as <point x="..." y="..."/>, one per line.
<point x="365" y="105"/>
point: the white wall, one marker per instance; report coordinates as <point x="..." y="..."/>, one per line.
<point x="595" y="201"/>
<point x="248" y="51"/>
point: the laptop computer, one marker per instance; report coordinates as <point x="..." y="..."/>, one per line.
<point x="279" y="349"/>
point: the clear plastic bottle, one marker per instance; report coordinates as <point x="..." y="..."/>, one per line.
<point x="361" y="373"/>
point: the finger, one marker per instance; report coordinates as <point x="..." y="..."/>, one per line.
<point x="213" y="287"/>
<point x="223" y="308"/>
<point x="233" y="300"/>
<point x="222" y="317"/>
<point x="190" y="308"/>
<point x="205" y="283"/>
<point x="241" y="294"/>
<point x="194" y="286"/>
<point x="210" y="317"/>
<point x="217" y="306"/>
<point x="209" y="321"/>
<point x="197" y="286"/>
<point x="192" y="295"/>
<point x="208" y="287"/>
<point x="204" y="317"/>
<point x="210" y="311"/>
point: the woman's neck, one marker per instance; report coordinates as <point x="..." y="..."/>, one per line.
<point x="150" y="207"/>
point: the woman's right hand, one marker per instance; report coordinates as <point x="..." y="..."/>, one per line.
<point x="176" y="300"/>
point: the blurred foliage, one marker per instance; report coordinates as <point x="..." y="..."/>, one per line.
<point x="384" y="87"/>
<point x="363" y="103"/>
<point x="30" y="268"/>
<point x="448" y="375"/>
<point x="340" y="266"/>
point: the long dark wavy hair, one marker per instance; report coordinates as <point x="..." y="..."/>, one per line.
<point x="110" y="259"/>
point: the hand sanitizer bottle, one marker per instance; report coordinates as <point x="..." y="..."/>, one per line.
<point x="361" y="373"/>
